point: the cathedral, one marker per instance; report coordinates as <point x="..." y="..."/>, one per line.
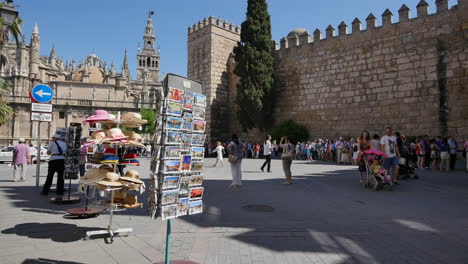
<point x="80" y="87"/>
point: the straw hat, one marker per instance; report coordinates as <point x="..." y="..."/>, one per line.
<point x="115" y="134"/>
<point x="120" y="195"/>
<point x="98" y="136"/>
<point x="134" y="138"/>
<point x="131" y="117"/>
<point x="107" y="168"/>
<point x="132" y="176"/>
<point x="131" y="201"/>
<point x="99" y="115"/>
<point x="93" y="175"/>
<point x="111" y="180"/>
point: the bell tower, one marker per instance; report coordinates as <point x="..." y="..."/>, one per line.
<point x="148" y="58"/>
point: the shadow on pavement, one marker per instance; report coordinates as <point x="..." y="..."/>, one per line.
<point x="57" y="232"/>
<point x="47" y="261"/>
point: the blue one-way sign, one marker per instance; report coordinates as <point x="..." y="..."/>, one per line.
<point x="42" y="93"/>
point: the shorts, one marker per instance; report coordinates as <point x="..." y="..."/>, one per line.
<point x="420" y="155"/>
<point x="362" y="167"/>
<point x="391" y="162"/>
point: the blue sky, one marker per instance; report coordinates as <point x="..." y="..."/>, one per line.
<point x="108" y="27"/>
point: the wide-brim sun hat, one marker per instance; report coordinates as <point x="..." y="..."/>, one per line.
<point x="110" y="180"/>
<point x="99" y="115"/>
<point x="132" y="176"/>
<point x="93" y="175"/>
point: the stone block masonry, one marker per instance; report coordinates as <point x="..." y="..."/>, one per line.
<point x="411" y="74"/>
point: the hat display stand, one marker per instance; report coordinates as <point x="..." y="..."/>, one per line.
<point x="173" y="158"/>
<point x="112" y="207"/>
<point x="72" y="160"/>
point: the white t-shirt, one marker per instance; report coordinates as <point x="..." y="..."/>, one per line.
<point x="390" y="143"/>
<point x="219" y="151"/>
<point x="267" y="148"/>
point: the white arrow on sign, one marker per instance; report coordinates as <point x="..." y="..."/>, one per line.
<point x="41" y="93"/>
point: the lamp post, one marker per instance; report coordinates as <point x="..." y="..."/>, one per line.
<point x="8" y="14"/>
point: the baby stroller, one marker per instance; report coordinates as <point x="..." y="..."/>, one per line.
<point x="372" y="180"/>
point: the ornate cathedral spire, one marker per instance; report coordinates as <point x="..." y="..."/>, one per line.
<point x="125" y="69"/>
<point x="53" y="58"/>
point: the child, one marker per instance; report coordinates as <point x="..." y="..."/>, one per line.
<point x="377" y="168"/>
<point x="219" y="151"/>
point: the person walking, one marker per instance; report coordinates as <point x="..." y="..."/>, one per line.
<point x="236" y="149"/>
<point x="287" y="158"/>
<point x="453" y="146"/>
<point x="219" y="154"/>
<point x="389" y="146"/>
<point x="20" y="160"/>
<point x="32" y="153"/>
<point x="57" y="149"/>
<point x="267" y="154"/>
<point x="339" y="149"/>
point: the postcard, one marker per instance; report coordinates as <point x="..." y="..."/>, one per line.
<point x="195" y="207"/>
<point x="172" y="165"/>
<point x="198" y="113"/>
<point x="196" y="193"/>
<point x="175" y="95"/>
<point x="174" y="108"/>
<point x="198" y="126"/>
<point x="186" y="162"/>
<point x="196" y="180"/>
<point x="198" y="152"/>
<point x="183" y="207"/>
<point x="187" y="125"/>
<point x="188" y="100"/>
<point x="198" y="139"/>
<point x="173" y="137"/>
<point x="188" y="116"/>
<point x="170" y="197"/>
<point x="186" y="139"/>
<point x="171" y="182"/>
<point x="174" y="123"/>
<point x="169" y="212"/>
<point x="172" y="152"/>
<point x="184" y="186"/>
<point x="200" y="100"/>
<point x="197" y="166"/>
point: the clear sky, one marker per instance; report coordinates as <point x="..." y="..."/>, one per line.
<point x="107" y="27"/>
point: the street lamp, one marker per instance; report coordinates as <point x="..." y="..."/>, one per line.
<point x="8" y="14"/>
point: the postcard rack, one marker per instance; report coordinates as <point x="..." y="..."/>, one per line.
<point x="177" y="162"/>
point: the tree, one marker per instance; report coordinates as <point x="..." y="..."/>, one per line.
<point x="290" y="129"/>
<point x="5" y="110"/>
<point x="150" y="115"/>
<point x="254" y="66"/>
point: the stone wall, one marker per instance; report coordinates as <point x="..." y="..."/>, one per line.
<point x="210" y="45"/>
<point x="412" y="75"/>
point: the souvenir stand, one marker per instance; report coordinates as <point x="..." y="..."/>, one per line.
<point x="176" y="175"/>
<point x="72" y="158"/>
<point x="107" y="150"/>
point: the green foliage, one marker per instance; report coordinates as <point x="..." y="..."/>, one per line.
<point x="292" y="130"/>
<point x="150" y="115"/>
<point x="254" y="66"/>
<point x="5" y="110"/>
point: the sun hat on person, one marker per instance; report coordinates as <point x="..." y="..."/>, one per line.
<point x="22" y="140"/>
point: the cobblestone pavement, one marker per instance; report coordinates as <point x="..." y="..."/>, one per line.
<point x="325" y="217"/>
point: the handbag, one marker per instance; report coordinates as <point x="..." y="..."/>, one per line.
<point x="287" y="154"/>
<point x="232" y="158"/>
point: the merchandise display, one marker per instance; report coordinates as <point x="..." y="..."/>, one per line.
<point x="177" y="165"/>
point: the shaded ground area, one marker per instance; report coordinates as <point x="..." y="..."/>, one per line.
<point x="324" y="217"/>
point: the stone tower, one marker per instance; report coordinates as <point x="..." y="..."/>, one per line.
<point x="210" y="46"/>
<point x="34" y="54"/>
<point x="148" y="58"/>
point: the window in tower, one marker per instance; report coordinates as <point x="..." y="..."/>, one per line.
<point x="152" y="64"/>
<point x="157" y="64"/>
<point x="139" y="63"/>
<point x="148" y="45"/>
<point x="149" y="62"/>
<point x="144" y="63"/>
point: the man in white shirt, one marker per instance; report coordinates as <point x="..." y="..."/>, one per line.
<point x="339" y="149"/>
<point x="57" y="150"/>
<point x="267" y="153"/>
<point x="388" y="145"/>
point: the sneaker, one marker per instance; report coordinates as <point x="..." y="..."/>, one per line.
<point x="262" y="169"/>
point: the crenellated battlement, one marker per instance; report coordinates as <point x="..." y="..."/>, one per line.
<point x="212" y="21"/>
<point x="295" y="38"/>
